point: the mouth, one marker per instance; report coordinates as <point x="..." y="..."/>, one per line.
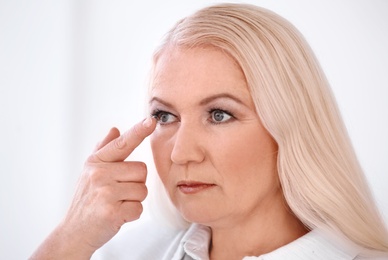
<point x="192" y="187"/>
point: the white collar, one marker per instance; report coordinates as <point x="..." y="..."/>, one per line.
<point x="196" y="242"/>
<point x="314" y="245"/>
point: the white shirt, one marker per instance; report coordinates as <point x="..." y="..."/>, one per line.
<point x="149" y="241"/>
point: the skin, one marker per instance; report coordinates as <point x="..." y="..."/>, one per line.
<point x="109" y="194"/>
<point x="213" y="155"/>
<point x="218" y="167"/>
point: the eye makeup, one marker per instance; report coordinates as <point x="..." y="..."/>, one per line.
<point x="214" y="115"/>
<point x="216" y="110"/>
<point x="219" y="116"/>
<point x="163" y="117"/>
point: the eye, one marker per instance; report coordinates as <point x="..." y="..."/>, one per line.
<point x="163" y="117"/>
<point x="220" y="116"/>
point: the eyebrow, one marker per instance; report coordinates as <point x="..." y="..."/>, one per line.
<point x="204" y="101"/>
<point x="219" y="96"/>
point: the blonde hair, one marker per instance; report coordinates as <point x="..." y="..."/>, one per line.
<point x="321" y="179"/>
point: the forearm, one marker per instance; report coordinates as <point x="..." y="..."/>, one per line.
<point x="61" y="244"/>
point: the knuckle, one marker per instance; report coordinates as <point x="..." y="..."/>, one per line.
<point x="142" y="175"/>
<point x="97" y="176"/>
<point x="143" y="167"/>
<point x="92" y="158"/>
<point x="108" y="214"/>
<point x="143" y="193"/>
<point x="119" y="143"/>
<point x="137" y="171"/>
<point x="142" y="171"/>
<point x="138" y="209"/>
<point x="104" y="193"/>
<point x="132" y="211"/>
<point x="135" y="131"/>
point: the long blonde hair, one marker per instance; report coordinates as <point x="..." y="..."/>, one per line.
<point x="321" y="178"/>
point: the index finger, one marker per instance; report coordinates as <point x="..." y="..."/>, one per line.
<point x="120" y="148"/>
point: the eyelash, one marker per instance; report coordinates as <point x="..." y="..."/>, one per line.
<point x="215" y="109"/>
<point x="157" y="113"/>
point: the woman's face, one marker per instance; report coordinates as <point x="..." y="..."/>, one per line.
<point x="215" y="159"/>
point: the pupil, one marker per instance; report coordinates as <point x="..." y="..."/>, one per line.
<point x="164" y="118"/>
<point x="218" y="116"/>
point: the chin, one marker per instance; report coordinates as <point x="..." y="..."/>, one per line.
<point x="198" y="214"/>
<point x="199" y="207"/>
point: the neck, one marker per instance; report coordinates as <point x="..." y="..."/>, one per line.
<point x="273" y="227"/>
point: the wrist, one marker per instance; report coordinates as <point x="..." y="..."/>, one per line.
<point x="64" y="243"/>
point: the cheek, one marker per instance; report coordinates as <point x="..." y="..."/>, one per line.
<point x="232" y="157"/>
<point x="161" y="150"/>
<point x="248" y="158"/>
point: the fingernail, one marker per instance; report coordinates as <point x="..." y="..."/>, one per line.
<point x="147" y="122"/>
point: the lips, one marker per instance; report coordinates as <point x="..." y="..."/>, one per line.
<point x="192" y="187"/>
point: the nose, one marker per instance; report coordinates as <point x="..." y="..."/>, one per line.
<point x="187" y="145"/>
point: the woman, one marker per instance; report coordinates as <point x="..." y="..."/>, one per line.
<point x="249" y="145"/>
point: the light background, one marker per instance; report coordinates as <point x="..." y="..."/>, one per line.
<point x="71" y="69"/>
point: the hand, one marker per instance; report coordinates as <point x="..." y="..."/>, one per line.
<point x="109" y="194"/>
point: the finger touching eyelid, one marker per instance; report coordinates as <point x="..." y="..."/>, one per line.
<point x="163" y="117"/>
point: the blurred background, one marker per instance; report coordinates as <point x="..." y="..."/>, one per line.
<point x="72" y="69"/>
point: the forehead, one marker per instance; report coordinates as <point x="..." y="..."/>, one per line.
<point x="197" y="72"/>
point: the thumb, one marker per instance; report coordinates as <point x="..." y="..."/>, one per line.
<point x="121" y="147"/>
<point x="113" y="134"/>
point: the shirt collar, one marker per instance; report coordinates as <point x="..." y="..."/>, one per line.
<point x="314" y="245"/>
<point x="196" y="242"/>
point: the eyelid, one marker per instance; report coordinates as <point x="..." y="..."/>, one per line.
<point x="211" y="110"/>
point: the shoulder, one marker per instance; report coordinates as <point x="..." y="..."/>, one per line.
<point x="142" y="239"/>
<point x="378" y="256"/>
<point x="318" y="244"/>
